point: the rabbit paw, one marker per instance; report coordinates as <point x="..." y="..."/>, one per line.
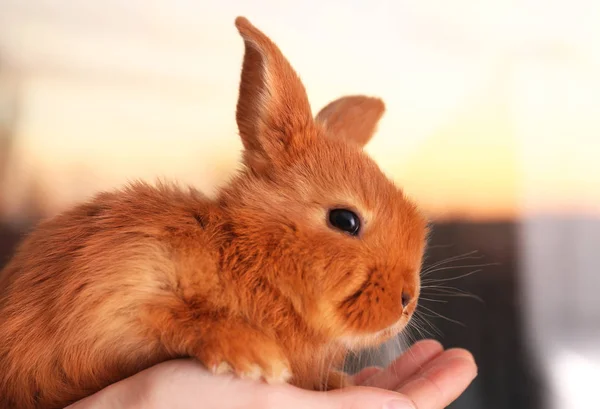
<point x="250" y="356"/>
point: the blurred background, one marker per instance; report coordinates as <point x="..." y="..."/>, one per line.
<point x="492" y="125"/>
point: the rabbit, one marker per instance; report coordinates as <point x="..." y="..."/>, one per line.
<point x="307" y="253"/>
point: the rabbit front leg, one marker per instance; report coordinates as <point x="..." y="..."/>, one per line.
<point x="240" y="349"/>
<point x="222" y="343"/>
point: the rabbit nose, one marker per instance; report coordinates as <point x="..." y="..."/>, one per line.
<point x="405" y="299"/>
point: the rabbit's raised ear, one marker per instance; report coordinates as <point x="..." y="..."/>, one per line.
<point x="353" y="118"/>
<point x="273" y="113"/>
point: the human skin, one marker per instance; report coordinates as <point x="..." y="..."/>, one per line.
<point x="425" y="377"/>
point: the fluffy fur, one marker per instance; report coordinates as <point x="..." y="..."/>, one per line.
<point x="255" y="282"/>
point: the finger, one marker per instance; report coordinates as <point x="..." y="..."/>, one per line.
<point x="439" y="361"/>
<point x="361" y="377"/>
<point x="406" y="365"/>
<point x="441" y="383"/>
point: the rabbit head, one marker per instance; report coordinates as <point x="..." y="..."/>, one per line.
<point x="323" y="222"/>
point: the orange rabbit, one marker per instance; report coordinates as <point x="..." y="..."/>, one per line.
<point x="310" y="251"/>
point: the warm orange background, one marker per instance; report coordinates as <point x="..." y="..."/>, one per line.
<point x="493" y="107"/>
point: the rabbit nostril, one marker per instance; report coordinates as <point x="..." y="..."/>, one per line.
<point x="405" y="299"/>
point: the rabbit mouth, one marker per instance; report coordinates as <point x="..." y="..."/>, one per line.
<point x="355" y="342"/>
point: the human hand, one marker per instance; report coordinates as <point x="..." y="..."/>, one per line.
<point x="424" y="377"/>
<point x="428" y="375"/>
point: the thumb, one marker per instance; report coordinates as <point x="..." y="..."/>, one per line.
<point x="289" y="397"/>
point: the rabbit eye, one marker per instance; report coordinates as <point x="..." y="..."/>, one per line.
<point x="345" y="220"/>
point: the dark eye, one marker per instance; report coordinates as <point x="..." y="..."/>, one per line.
<point x="345" y="220"/>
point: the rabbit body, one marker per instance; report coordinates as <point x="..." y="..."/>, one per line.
<point x="152" y="274"/>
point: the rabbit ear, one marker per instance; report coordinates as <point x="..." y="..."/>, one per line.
<point x="273" y="112"/>
<point x="353" y="118"/>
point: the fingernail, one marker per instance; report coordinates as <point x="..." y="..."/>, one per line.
<point x="399" y="404"/>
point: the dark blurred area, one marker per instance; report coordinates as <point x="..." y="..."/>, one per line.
<point x="492" y="327"/>
<point x="9" y="238"/>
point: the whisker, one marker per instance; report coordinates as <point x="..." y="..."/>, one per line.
<point x="465" y="256"/>
<point x="472" y="296"/>
<point x="405" y="340"/>
<point x="435" y="329"/>
<point x="394" y="349"/>
<point x="398" y="342"/>
<point x="442" y="268"/>
<point x="443" y="280"/>
<point x="321" y="371"/>
<point x="432" y="300"/>
<point x="447" y="291"/>
<point x="415" y="325"/>
<point x="428" y="268"/>
<point x="330" y="366"/>
<point x="436" y="314"/>
<point x="437" y="246"/>
<point x="411" y="338"/>
<point x="439" y="287"/>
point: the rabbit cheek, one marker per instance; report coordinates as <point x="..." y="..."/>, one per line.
<point x="373" y="307"/>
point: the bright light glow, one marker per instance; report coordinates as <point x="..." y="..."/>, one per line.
<point x="493" y="108"/>
<point x="574" y="379"/>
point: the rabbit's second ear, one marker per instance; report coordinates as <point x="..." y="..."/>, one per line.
<point x="353" y="118"/>
<point x="273" y="113"/>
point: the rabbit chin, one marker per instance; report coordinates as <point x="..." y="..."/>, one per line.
<point x="358" y="342"/>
